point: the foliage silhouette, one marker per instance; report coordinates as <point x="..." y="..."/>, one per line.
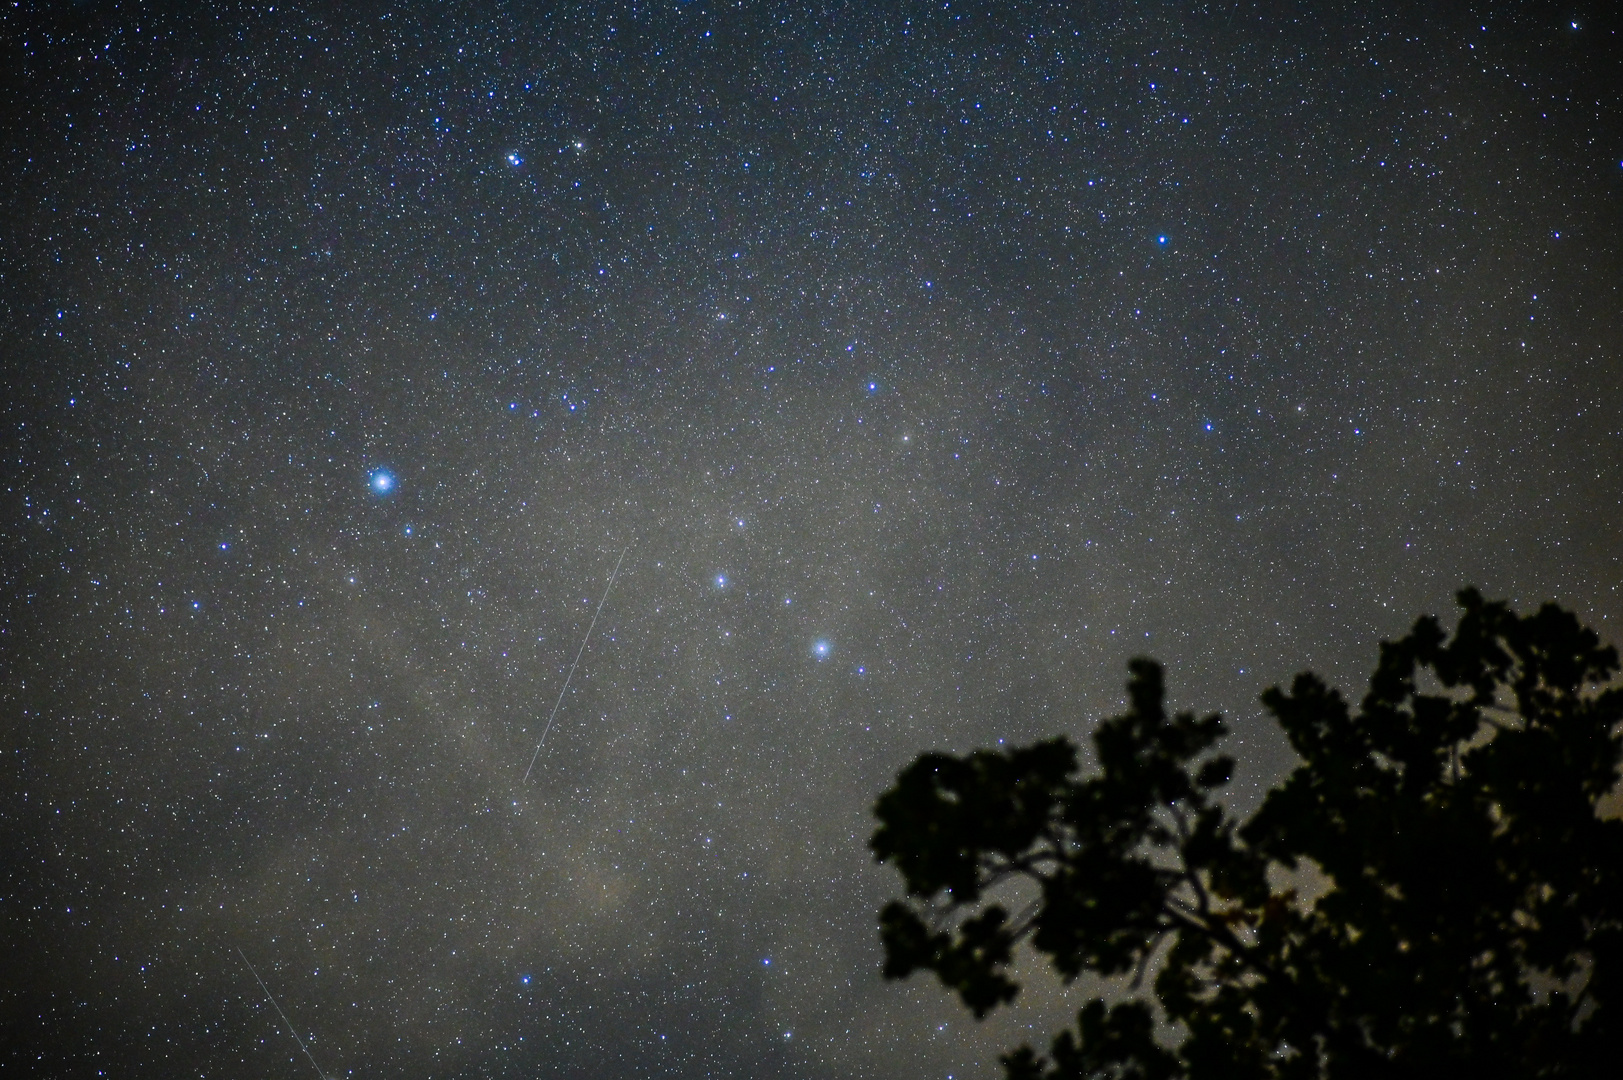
<point x="1468" y="910"/>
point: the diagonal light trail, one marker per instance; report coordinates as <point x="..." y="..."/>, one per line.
<point x="581" y="652"/>
<point x="291" y="1030"/>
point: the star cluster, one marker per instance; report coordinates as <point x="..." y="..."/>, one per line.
<point x="922" y="363"/>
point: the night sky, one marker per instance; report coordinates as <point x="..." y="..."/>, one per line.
<point x="923" y="361"/>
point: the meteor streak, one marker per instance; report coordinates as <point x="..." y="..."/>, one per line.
<point x="576" y="664"/>
<point x="289" y="1024"/>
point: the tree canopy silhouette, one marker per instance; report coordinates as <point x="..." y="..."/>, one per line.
<point x="1466" y="915"/>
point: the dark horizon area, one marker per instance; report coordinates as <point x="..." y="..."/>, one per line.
<point x="925" y="362"/>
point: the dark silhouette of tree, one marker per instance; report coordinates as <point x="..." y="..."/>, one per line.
<point x="1467" y="914"/>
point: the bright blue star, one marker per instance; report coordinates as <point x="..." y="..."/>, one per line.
<point x="721" y="581"/>
<point x="1161" y="239"/>
<point x="513" y="159"/>
<point x="525" y="979"/>
<point x="383" y="481"/>
<point x="821" y="649"/>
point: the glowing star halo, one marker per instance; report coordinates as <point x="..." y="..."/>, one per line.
<point x="383" y="481"/>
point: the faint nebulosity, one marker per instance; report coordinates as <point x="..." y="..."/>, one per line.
<point x="929" y="359"/>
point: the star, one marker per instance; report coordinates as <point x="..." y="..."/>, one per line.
<point x="383" y="481"/>
<point x="821" y="648"/>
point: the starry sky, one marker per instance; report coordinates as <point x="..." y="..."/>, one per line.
<point x="915" y="363"/>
